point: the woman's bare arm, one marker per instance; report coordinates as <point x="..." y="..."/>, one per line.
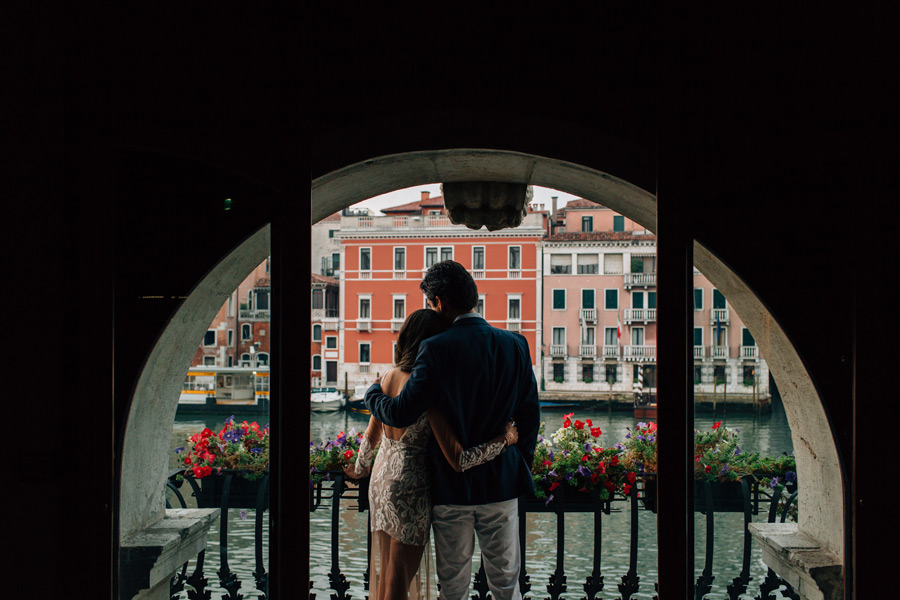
<point x="461" y="459"/>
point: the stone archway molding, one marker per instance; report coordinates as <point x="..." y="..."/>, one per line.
<point x="148" y="431"/>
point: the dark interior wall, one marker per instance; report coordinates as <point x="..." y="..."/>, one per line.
<point x="758" y="124"/>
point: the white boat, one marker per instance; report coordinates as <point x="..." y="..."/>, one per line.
<point x="326" y="400"/>
<point x="356" y="403"/>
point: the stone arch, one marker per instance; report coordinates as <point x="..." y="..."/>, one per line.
<point x="822" y="510"/>
<point x="146" y="448"/>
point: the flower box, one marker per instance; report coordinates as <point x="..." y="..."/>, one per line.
<point x="727" y="496"/>
<point x="243" y="493"/>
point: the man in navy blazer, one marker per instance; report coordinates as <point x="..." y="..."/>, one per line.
<point x="480" y="377"/>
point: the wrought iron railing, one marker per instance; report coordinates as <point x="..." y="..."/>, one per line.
<point x="746" y="496"/>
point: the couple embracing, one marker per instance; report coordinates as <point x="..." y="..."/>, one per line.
<point x="457" y="421"/>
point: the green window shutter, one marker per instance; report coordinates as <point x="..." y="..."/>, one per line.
<point x="651" y="299"/>
<point x="559" y="299"/>
<point x="587" y="298"/>
<point x="718" y="299"/>
<point x="612" y="300"/>
<point x="698" y="298"/>
<point x="747" y="339"/>
<point x="619" y="223"/>
<point x="637" y="300"/>
<point x="698" y="336"/>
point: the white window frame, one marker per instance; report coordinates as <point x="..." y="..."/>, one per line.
<point x="552" y="330"/>
<point x="608" y="254"/>
<point x="312" y="364"/>
<point x="437" y="257"/>
<point x="215" y="339"/>
<point x="565" y="299"/>
<point x="483" y="258"/>
<point x="359" y="305"/>
<point x="258" y="354"/>
<point x="394" y="261"/>
<point x="314" y="338"/>
<point x="481" y="299"/>
<point x="369" y="270"/>
<point x="249" y="328"/>
<point x="644" y="301"/>
<point x="397" y="322"/>
<point x="330" y="337"/>
<point x="634" y="329"/>
<point x="509" y="299"/>
<point x="230" y="311"/>
<point x="230" y="337"/>
<point x="245" y="359"/>
<point x="617" y="299"/>
<point x="359" y="352"/>
<point x="509" y="257"/>
<point x="209" y="361"/>
<point x="702" y="299"/>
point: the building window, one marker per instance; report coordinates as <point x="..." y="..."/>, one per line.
<point x="637" y="300"/>
<point x="559" y="299"/>
<point x="587" y="298"/>
<point x="515" y="257"/>
<point x="230" y="338"/>
<point x="559" y="372"/>
<point x="316" y="362"/>
<point x="230" y="361"/>
<point x="209" y="361"/>
<point x="331" y="342"/>
<point x="446" y="253"/>
<point x="587" y="373"/>
<point x="365" y="308"/>
<point x="749" y="375"/>
<point x="559" y="336"/>
<point x="245" y="360"/>
<point x="432" y="253"/>
<point x="262" y="298"/>
<point x="588" y="264"/>
<point x="317" y="299"/>
<point x="610" y="336"/>
<point x="719" y="374"/>
<point x="399" y="309"/>
<point x="479" y="307"/>
<point x="611" y="374"/>
<point x="611" y="299"/>
<point x="637" y="336"/>
<point x="698" y="336"/>
<point x="746" y="338"/>
<point x="612" y="264"/>
<point x="262" y="359"/>
<point x="589" y="336"/>
<point x="560" y="264"/>
<point x="698" y="374"/>
<point x="399" y="259"/>
<point x="478" y="258"/>
<point x="365" y="259"/>
<point x="718" y="299"/>
<point x="587" y="224"/>
<point x="210" y="338"/>
<point x="317" y="333"/>
<point x="331" y="233"/>
<point x="335" y="262"/>
<point x="231" y="305"/>
<point x="365" y="353"/>
<point x="651" y="299"/>
<point x="515" y="306"/>
<point x="246" y="331"/>
<point x="698" y="298"/>
<point x="618" y="223"/>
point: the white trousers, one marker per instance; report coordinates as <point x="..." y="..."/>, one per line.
<point x="497" y="526"/>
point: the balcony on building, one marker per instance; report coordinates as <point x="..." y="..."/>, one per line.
<point x="396" y="324"/>
<point x="514" y="325"/>
<point x="558" y="350"/>
<point x="719" y="352"/>
<point x="639" y="353"/>
<point x="611" y="351"/>
<point x="699" y="351"/>
<point x="587" y="351"/>
<point x="749" y="352"/>
<point x="399" y="274"/>
<point x="640" y="315"/>
<point x="640" y="280"/>
<point x="478" y="274"/>
<point x="589" y="315"/>
<point x="364" y="325"/>
<point x="417" y="222"/>
<point x="719" y="315"/>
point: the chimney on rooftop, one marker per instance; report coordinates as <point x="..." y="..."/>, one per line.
<point x="553" y="207"/>
<point x="425" y="195"/>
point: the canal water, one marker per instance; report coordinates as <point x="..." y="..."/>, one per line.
<point x="769" y="434"/>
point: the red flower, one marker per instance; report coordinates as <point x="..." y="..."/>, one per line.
<point x="632" y="478"/>
<point x="579" y="425"/>
<point x="614" y="461"/>
<point x="595" y="477"/>
<point x="585" y="457"/>
<point x="569" y="416"/>
<point x="601" y="468"/>
<point x="554" y="485"/>
<point x="208" y="457"/>
<point x="588" y="422"/>
<point x="707" y="468"/>
<point x="187" y="460"/>
<point x="566" y="423"/>
<point x="610" y="486"/>
<point x="697" y="458"/>
<point x="547" y="463"/>
<point x="595" y="431"/>
<point x="348" y="454"/>
<point x="652" y="427"/>
<point x="207" y="432"/>
<point x="716" y="424"/>
<point x="627" y="489"/>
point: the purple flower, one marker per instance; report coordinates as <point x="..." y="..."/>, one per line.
<point x="313" y="469"/>
<point x="738" y="451"/>
<point x="774" y="483"/>
<point x="588" y="447"/>
<point x="569" y="476"/>
<point x="548" y="500"/>
<point x="540" y="438"/>
<point x="582" y="471"/>
<point x="619" y="446"/>
<point x="179" y="449"/>
<point x="642" y="438"/>
<point x="790" y="476"/>
<point x="233" y="436"/>
<point x="243" y="515"/>
<point x="327" y="476"/>
<point x="255" y="450"/>
<point x="552" y="455"/>
<point x="552" y="473"/>
<point x="229" y="419"/>
<point x="641" y="424"/>
<point x="628" y="436"/>
<point x="724" y="470"/>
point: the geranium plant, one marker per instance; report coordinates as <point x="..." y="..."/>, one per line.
<point x="640" y="448"/>
<point x="241" y="447"/>
<point x="573" y="457"/>
<point x="333" y="455"/>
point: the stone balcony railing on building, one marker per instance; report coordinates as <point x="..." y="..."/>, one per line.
<point x="749" y="352"/>
<point x="254" y="314"/>
<point x="639" y="353"/>
<point x="720" y="315"/>
<point x="331" y="325"/>
<point x="640" y="315"/>
<point x="699" y="351"/>
<point x="365" y="274"/>
<point x="589" y="314"/>
<point x="640" y="279"/>
<point x="396" y="324"/>
<point x="558" y="350"/>
<point x="514" y="274"/>
<point x="514" y="325"/>
<point x="406" y="222"/>
<point x="478" y="274"/>
<point x="587" y="350"/>
<point x="719" y="352"/>
<point x="364" y="325"/>
<point x="611" y="351"/>
<point x="399" y="274"/>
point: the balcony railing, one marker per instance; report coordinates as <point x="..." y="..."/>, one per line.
<point x="611" y="351"/>
<point x="719" y="314"/>
<point x="640" y="315"/>
<point x="587" y="350"/>
<point x="514" y="274"/>
<point x="640" y="279"/>
<point x="719" y="352"/>
<point x="639" y="353"/>
<point x="396" y="324"/>
<point x="589" y="314"/>
<point x="514" y="325"/>
<point x="558" y="350"/>
<point x="749" y="352"/>
<point x="699" y="351"/>
<point x="331" y="325"/>
<point x="255" y="314"/>
<point x="479" y="274"/>
<point x="365" y="274"/>
<point x="399" y="274"/>
<point x="364" y="325"/>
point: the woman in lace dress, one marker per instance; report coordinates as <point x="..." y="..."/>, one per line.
<point x="399" y="494"/>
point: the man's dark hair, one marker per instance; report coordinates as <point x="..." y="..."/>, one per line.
<point x="452" y="283"/>
<point x="419" y="325"/>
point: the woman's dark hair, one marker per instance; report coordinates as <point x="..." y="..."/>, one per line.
<point x="452" y="283"/>
<point x="419" y="325"/>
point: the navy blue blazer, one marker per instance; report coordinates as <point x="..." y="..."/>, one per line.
<point x="480" y="377"/>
